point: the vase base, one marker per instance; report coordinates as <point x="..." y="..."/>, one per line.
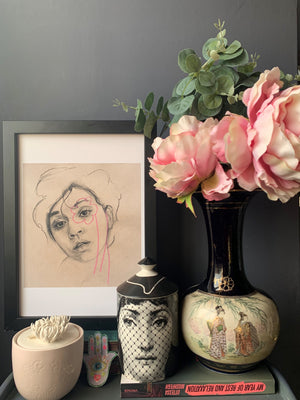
<point x="227" y="368"/>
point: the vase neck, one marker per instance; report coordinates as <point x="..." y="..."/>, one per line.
<point x="224" y="223"/>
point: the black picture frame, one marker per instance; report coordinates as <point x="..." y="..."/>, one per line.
<point x="11" y="223"/>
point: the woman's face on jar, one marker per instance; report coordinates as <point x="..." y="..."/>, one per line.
<point x="78" y="225"/>
<point x="145" y="333"/>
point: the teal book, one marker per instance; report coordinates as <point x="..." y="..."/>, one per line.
<point x="196" y="380"/>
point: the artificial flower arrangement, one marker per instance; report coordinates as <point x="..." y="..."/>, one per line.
<point x="231" y="126"/>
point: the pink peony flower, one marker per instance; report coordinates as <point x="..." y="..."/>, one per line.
<point x="218" y="186"/>
<point x="230" y="144"/>
<point x="188" y="123"/>
<point x="274" y="135"/>
<point x="185" y="159"/>
<point x="262" y="92"/>
<point x="262" y="151"/>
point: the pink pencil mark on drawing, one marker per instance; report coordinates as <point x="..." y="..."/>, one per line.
<point x="106" y="250"/>
<point x="91" y="213"/>
<point x="88" y="216"/>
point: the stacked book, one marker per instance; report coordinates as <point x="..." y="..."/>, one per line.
<point x="196" y="380"/>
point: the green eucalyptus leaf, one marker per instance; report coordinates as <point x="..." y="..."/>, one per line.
<point x="206" y="112"/>
<point x="174" y="91"/>
<point x="165" y="116"/>
<point x="281" y="75"/>
<point x="206" y="78"/>
<point x="225" y="85"/>
<point x="209" y="45"/>
<point x="235" y="76"/>
<point x="185" y="86"/>
<point x="247" y="69"/>
<point x="249" y="81"/>
<point x="230" y="56"/>
<point x="149" y="125"/>
<point x="179" y="105"/>
<point x="235" y="45"/>
<point x="205" y="89"/>
<point x="194" y="107"/>
<point x="221" y="70"/>
<point x="212" y="101"/>
<point x="182" y="55"/>
<point x="160" y="105"/>
<point x="139" y="105"/>
<point x="176" y="118"/>
<point x="238" y="61"/>
<point x="149" y="101"/>
<point x="193" y="63"/>
<point x="140" y="120"/>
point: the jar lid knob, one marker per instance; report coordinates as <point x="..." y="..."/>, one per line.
<point x="147" y="267"/>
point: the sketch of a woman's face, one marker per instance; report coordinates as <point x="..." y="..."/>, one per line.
<point x="145" y="338"/>
<point x="79" y="225"/>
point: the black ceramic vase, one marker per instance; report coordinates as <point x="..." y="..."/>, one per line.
<point x="147" y="325"/>
<point x="226" y="322"/>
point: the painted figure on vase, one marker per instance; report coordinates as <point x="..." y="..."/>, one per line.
<point x="217" y="329"/>
<point x="145" y="334"/>
<point x="246" y="336"/>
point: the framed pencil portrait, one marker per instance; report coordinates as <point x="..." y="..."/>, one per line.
<point x="79" y="214"/>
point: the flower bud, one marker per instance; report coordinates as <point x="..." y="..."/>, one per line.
<point x="221" y="34"/>
<point x="240" y="95"/>
<point x="214" y="55"/>
<point x="232" y="99"/>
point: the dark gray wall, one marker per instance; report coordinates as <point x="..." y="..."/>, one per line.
<point x="68" y="59"/>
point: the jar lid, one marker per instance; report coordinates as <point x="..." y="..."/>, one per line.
<point x="147" y="283"/>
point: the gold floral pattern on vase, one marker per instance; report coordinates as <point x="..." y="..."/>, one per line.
<point x="230" y="332"/>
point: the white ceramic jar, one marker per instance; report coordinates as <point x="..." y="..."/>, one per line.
<point x="47" y="371"/>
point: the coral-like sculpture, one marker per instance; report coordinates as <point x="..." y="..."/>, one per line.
<point x="51" y="328"/>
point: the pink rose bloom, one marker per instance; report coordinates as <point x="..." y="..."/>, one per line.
<point x="230" y="144"/>
<point x="274" y="135"/>
<point x="184" y="160"/>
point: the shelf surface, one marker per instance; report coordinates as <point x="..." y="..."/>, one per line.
<point x="111" y="391"/>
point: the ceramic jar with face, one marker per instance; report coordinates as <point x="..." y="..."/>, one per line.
<point x="147" y="325"/>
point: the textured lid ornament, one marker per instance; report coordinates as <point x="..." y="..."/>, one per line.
<point x="51" y="328"/>
<point x="147" y="283"/>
